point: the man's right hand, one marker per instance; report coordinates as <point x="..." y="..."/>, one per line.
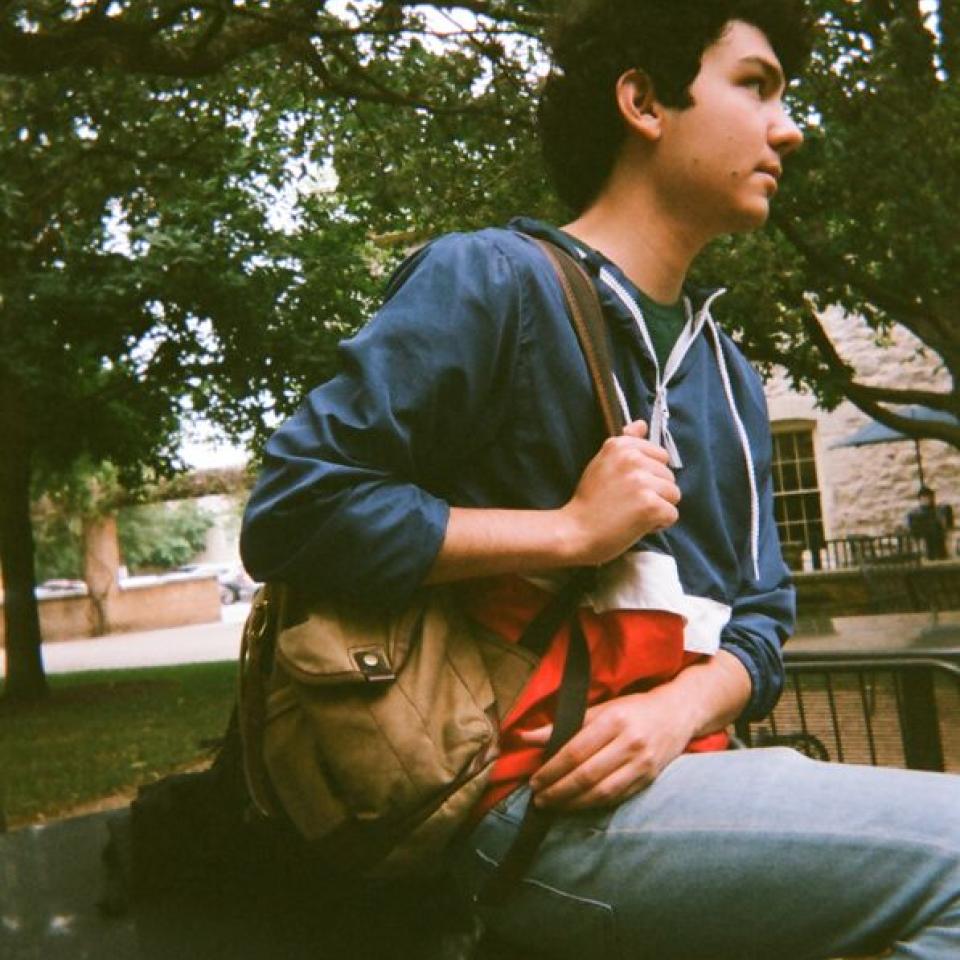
<point x="626" y="492"/>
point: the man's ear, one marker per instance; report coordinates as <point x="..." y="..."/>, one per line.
<point x="638" y="104"/>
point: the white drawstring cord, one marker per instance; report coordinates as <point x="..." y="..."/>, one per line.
<point x="622" y="397"/>
<point x="660" y="414"/>
<point x="745" y="445"/>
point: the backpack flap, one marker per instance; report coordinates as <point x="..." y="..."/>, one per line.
<point x="340" y="644"/>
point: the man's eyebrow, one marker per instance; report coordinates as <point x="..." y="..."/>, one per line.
<point x="772" y="71"/>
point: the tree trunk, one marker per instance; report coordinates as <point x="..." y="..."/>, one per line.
<point x="101" y="568"/>
<point x="25" y="677"/>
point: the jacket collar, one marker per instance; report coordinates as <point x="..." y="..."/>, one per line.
<point x="594" y="261"/>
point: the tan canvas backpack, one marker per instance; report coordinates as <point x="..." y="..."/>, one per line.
<point x="374" y="734"/>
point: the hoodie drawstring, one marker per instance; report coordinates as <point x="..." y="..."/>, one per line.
<point x="660" y="414"/>
<point x="745" y="445"/>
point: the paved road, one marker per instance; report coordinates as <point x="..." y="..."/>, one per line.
<point x="193" y="644"/>
<point x="221" y="641"/>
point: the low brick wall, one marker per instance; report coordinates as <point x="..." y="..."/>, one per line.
<point x="175" y="603"/>
<point x="831" y="593"/>
<point x="843" y="593"/>
<point x="144" y="606"/>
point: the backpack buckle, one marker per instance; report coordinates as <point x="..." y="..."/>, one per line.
<point x="372" y="662"/>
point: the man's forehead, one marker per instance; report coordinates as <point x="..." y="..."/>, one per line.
<point x="743" y="43"/>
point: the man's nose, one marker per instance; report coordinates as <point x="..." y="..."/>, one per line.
<point x="785" y="136"/>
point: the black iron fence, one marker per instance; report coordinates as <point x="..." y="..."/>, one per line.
<point x="898" y="710"/>
<point x="856" y="551"/>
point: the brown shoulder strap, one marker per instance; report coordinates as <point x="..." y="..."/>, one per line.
<point x="586" y="315"/>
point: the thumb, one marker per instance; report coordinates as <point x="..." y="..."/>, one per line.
<point x="536" y="737"/>
<point x="636" y="429"/>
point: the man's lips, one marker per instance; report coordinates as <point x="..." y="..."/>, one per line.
<point x="773" y="172"/>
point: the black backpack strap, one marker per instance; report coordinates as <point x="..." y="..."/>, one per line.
<point x="586" y="316"/>
<point x="568" y="719"/>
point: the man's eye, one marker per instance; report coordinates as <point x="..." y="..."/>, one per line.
<point x="756" y="83"/>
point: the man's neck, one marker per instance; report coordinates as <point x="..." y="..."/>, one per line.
<point x="644" y="241"/>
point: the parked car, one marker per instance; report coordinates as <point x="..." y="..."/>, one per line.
<point x="235" y="583"/>
<point x="60" y="588"/>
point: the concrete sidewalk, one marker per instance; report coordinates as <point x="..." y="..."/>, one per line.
<point x="221" y="641"/>
<point x="197" y="643"/>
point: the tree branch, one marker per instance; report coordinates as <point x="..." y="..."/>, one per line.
<point x="370" y="91"/>
<point x="868" y="398"/>
<point x="926" y="324"/>
<point x="895" y="304"/>
<point x="124" y="42"/>
<point x="172" y="17"/>
<point x="217" y="22"/>
<point x="495" y="11"/>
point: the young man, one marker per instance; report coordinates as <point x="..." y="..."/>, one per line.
<point x="929" y="522"/>
<point x="460" y="444"/>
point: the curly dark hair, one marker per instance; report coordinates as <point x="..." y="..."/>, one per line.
<point x="596" y="41"/>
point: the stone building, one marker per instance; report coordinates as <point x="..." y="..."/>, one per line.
<point x="831" y="492"/>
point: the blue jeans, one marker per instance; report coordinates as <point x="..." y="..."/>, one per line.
<point x="732" y="856"/>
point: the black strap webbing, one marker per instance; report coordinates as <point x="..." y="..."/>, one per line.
<point x="568" y="719"/>
<point x="586" y="316"/>
<point x="544" y="626"/>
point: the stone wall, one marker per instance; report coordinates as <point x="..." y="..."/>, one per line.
<point x="868" y="490"/>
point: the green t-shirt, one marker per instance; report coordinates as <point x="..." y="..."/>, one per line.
<point x="664" y="324"/>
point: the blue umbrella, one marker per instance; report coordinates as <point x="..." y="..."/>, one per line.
<point x="874" y="432"/>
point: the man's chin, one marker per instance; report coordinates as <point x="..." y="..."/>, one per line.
<point x="749" y="219"/>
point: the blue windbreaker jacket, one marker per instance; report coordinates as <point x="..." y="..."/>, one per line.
<point x="468" y="388"/>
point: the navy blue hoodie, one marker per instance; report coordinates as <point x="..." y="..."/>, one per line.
<point x="468" y="388"/>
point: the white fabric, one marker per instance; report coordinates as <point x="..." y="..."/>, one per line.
<point x="645" y="580"/>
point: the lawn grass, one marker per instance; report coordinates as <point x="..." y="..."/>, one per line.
<point x="102" y="732"/>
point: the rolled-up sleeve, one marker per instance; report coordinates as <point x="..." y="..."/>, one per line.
<point x="349" y="501"/>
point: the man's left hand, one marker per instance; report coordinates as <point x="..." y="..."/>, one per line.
<point x="622" y="747"/>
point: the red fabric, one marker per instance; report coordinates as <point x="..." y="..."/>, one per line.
<point x="630" y="651"/>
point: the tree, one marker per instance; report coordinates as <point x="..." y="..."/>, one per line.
<point x="145" y="273"/>
<point x="863" y="223"/>
<point x="195" y="38"/>
<point x="881" y="112"/>
<point x="160" y="536"/>
<point x="174" y="247"/>
<point x="142" y="275"/>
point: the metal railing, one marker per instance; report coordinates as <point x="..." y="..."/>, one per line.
<point x="855" y="551"/>
<point x="886" y="710"/>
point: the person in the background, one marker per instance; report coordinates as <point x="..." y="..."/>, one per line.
<point x="930" y="523"/>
